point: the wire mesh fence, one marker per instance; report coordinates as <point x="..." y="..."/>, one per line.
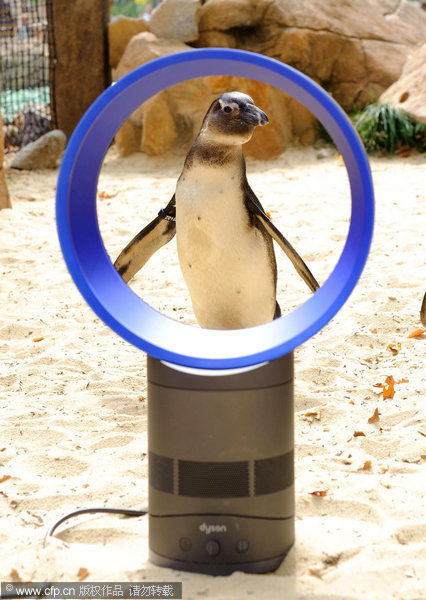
<point x="27" y="69"/>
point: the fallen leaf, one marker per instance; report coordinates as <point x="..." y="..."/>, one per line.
<point x="15" y="575"/>
<point x="82" y="573"/>
<point x="375" y="416"/>
<point x="366" y="465"/>
<point x="85" y="485"/>
<point x="268" y="214"/>
<point x="5" y="478"/>
<point x="374" y="330"/>
<point x="38" y="339"/>
<point x="416" y="333"/>
<point x="402" y="381"/>
<point x="394" y="348"/>
<point x="313" y="413"/>
<point x="319" y="493"/>
<point x="384" y="469"/>
<point x="352" y="402"/>
<point x="106" y="195"/>
<point x="382" y="429"/>
<point x="388" y="387"/>
<point x="359" y="434"/>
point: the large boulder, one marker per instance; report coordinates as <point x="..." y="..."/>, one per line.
<point x="171" y="119"/>
<point x="409" y="92"/>
<point x="120" y="31"/>
<point x="176" y="20"/>
<point x="353" y="49"/>
<point x="44" y="153"/>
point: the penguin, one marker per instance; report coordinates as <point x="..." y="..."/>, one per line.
<point x="224" y="238"/>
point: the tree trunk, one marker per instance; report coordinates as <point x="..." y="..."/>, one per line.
<point x="81" y="72"/>
<point x="4" y="193"/>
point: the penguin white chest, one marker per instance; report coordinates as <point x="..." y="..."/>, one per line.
<point x="225" y="260"/>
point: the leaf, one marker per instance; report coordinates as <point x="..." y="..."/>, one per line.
<point x="394" y="348"/>
<point x="106" y="195"/>
<point x="313" y="413"/>
<point x="388" y="387"/>
<point x="402" y="381"/>
<point x="374" y="417"/>
<point x="82" y="573"/>
<point x="15" y="575"/>
<point x="38" y="339"/>
<point x="5" y="478"/>
<point x="359" y="434"/>
<point x="366" y="465"/>
<point x="319" y="493"/>
<point x="416" y="333"/>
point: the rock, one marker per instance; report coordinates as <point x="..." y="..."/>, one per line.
<point x="176" y="20"/>
<point x="141" y="49"/>
<point x="171" y="119"/>
<point x="354" y="48"/>
<point x="35" y="124"/>
<point x="409" y="92"/>
<point x="120" y="32"/>
<point x="44" y="153"/>
<point x="325" y="152"/>
<point x="145" y="47"/>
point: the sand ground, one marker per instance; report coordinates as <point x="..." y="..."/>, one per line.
<point x="73" y="394"/>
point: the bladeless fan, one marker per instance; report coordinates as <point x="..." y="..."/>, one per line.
<point x="220" y="402"/>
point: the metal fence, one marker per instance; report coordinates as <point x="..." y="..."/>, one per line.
<point x="27" y="69"/>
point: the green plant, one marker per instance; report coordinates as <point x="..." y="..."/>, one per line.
<point x="383" y="127"/>
<point x="127" y="8"/>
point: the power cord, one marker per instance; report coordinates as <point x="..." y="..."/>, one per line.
<point x="128" y="512"/>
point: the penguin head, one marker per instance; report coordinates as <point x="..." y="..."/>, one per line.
<point x="232" y="118"/>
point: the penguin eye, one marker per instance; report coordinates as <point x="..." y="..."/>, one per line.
<point x="227" y="109"/>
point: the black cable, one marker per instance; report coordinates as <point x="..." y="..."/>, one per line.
<point x="129" y="512"/>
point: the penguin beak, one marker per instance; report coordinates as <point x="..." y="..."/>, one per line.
<point x="254" y="115"/>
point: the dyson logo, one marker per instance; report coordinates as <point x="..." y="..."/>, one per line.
<point x="212" y="528"/>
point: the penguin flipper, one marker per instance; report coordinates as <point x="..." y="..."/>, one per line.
<point x="299" y="264"/>
<point x="423" y="311"/>
<point x="155" y="235"/>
